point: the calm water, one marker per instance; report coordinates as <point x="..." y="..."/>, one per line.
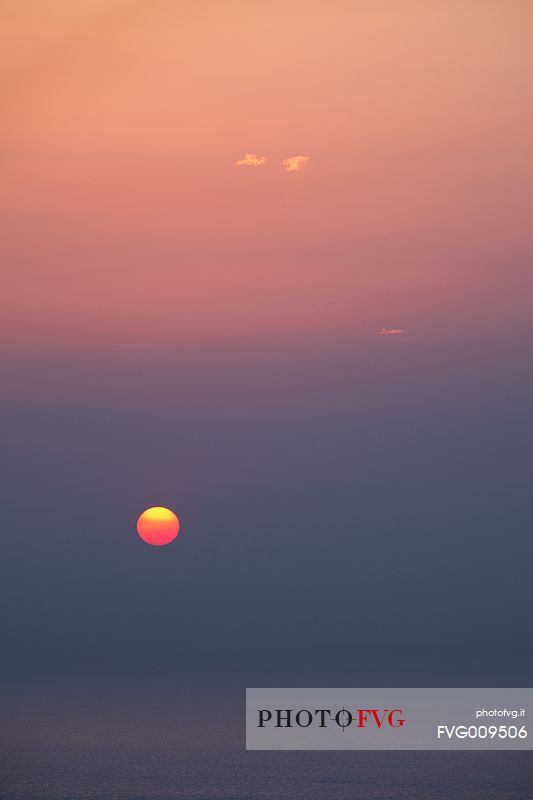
<point x="135" y="748"/>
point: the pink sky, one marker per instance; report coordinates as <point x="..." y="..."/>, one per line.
<point x="126" y="222"/>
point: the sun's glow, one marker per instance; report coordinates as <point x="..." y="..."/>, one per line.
<point x="158" y="526"/>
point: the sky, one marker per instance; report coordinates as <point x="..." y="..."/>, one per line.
<point x="269" y="265"/>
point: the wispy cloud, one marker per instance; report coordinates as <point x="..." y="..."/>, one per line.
<point x="390" y="331"/>
<point x="294" y="163"/>
<point x="251" y="160"/>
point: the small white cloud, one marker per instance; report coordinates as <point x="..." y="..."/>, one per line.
<point x="390" y="331"/>
<point x="294" y="163"/>
<point x="251" y="160"/>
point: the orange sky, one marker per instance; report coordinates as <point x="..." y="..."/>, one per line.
<point x="126" y="223"/>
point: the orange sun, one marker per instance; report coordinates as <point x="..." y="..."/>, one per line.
<point x="158" y="526"/>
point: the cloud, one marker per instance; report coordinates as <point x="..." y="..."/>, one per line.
<point x="251" y="160"/>
<point x="294" y="163"/>
<point x="390" y="331"/>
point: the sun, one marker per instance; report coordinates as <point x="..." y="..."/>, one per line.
<point x="158" y="526"/>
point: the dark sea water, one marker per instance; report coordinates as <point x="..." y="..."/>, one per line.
<point x="137" y="748"/>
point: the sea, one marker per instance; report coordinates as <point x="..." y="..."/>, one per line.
<point x="191" y="746"/>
